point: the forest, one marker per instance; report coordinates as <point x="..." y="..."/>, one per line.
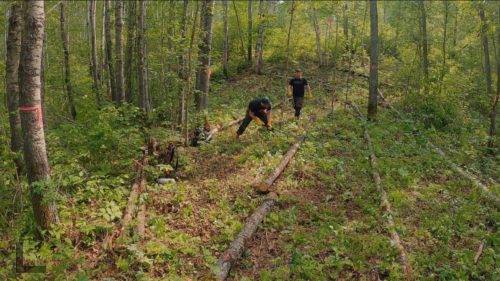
<point x="128" y="151"/>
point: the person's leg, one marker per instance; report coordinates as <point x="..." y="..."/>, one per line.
<point x="244" y="124"/>
<point x="297" y="105"/>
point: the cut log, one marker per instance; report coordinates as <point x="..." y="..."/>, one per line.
<point x="265" y="185"/>
<point x="384" y="202"/>
<point x="233" y="253"/>
<point x="141" y="220"/>
<point x="236" y="247"/>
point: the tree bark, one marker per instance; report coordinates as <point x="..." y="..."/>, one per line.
<point x="131" y="33"/>
<point x="35" y="154"/>
<point x="250" y="32"/>
<point x="120" y="93"/>
<point x="424" y="43"/>
<point x="346" y="22"/>
<point x="93" y="46"/>
<point x="205" y="47"/>
<point x="259" y="47"/>
<point x="144" y="101"/>
<point x="109" y="48"/>
<point x="373" y="84"/>
<point x="11" y="78"/>
<point x="292" y="10"/>
<point x="67" y="72"/>
<point x="183" y="73"/>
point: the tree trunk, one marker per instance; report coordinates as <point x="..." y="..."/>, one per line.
<point x="35" y="154"/>
<point x="143" y="81"/>
<point x="109" y="48"/>
<point x="318" y="37"/>
<point x="131" y="26"/>
<point x="11" y="78"/>
<point x="225" y="55"/>
<point x="120" y="94"/>
<point x="445" y="27"/>
<point x="249" y="32"/>
<point x="67" y="72"/>
<point x="259" y="47"/>
<point x="373" y="84"/>
<point x="205" y="47"/>
<point x="93" y="45"/>
<point x="184" y="68"/>
<point x="240" y="31"/>
<point x="424" y="42"/>
<point x="292" y="10"/>
<point x="346" y="22"/>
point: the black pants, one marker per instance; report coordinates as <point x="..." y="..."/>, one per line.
<point x="247" y="121"/>
<point x="297" y="105"/>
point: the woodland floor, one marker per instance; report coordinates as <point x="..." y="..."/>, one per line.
<point x="328" y="223"/>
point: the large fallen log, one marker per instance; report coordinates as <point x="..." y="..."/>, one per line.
<point x="233" y="253"/>
<point x="386" y="205"/>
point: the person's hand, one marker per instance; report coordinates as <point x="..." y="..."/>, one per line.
<point x="309" y="95"/>
<point x="269" y="127"/>
<point x="289" y="93"/>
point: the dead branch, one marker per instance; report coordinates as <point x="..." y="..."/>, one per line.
<point x="479" y="252"/>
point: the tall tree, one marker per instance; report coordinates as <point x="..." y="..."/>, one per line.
<point x="373" y="83"/>
<point x="494" y="107"/>
<point x="292" y="10"/>
<point x="225" y="56"/>
<point x="131" y="30"/>
<point x="67" y="72"/>
<point x="35" y="154"/>
<point x="424" y="43"/>
<point x="109" y="48"/>
<point x="205" y="47"/>
<point x="259" y="46"/>
<point x="445" y="29"/>
<point x="317" y="32"/>
<point x="250" y="31"/>
<point x="93" y="49"/>
<point x="183" y="72"/>
<point x="11" y="77"/>
<point x="144" y="101"/>
<point x="120" y="93"/>
<point x="345" y="25"/>
<point x="240" y="31"/>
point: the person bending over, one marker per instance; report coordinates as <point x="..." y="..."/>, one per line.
<point x="258" y="110"/>
<point x="297" y="86"/>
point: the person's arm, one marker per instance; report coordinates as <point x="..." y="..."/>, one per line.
<point x="255" y="118"/>
<point x="268" y="115"/>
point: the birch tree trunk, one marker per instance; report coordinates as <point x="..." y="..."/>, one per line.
<point x="373" y="84"/>
<point x="259" y="47"/>
<point x="292" y="10"/>
<point x="183" y="73"/>
<point x="205" y="47"/>
<point x="225" y="55"/>
<point x="143" y="81"/>
<point x="131" y="35"/>
<point x="67" y="72"/>
<point x="445" y="29"/>
<point x="424" y="43"/>
<point x="11" y="78"/>
<point x="35" y="154"/>
<point x="346" y="22"/>
<point x="109" y="49"/>
<point x="250" y="32"/>
<point x="120" y="94"/>
<point x="93" y="57"/>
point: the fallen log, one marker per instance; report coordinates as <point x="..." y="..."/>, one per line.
<point x="233" y="253"/>
<point x="386" y="205"/>
<point x="459" y="170"/>
<point x="236" y="247"/>
<point x="141" y="220"/>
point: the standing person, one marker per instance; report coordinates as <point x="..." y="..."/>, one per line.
<point x="297" y="86"/>
<point x="259" y="110"/>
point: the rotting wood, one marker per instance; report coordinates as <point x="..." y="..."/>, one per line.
<point x="233" y="253"/>
<point x="386" y="205"/>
